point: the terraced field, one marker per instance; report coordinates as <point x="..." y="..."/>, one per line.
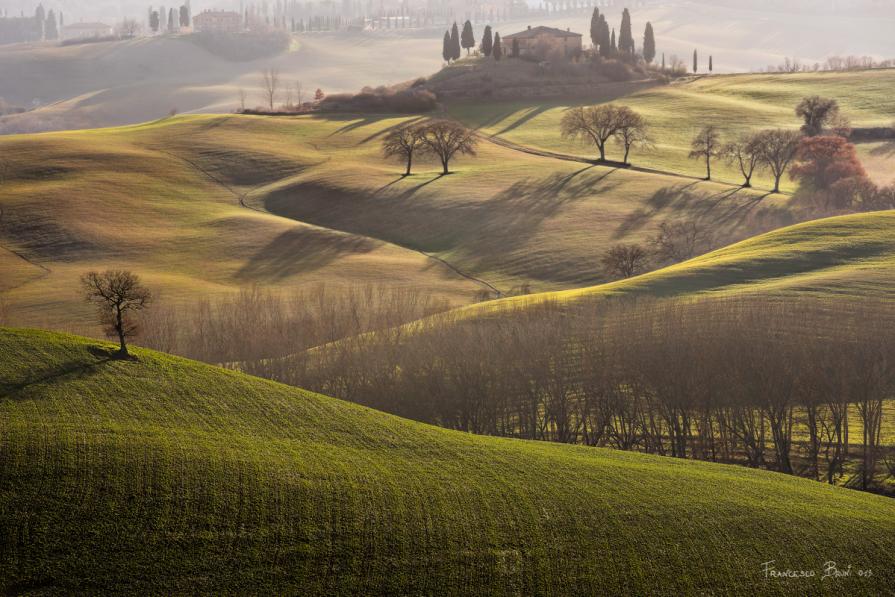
<point x="160" y="475"/>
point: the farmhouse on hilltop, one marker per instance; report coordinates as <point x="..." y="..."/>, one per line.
<point x="225" y="21"/>
<point x="544" y="42"/>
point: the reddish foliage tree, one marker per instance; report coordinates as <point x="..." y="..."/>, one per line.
<point x="824" y="161"/>
<point x="829" y="166"/>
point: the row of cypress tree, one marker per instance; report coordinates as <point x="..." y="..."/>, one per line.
<point x="608" y="45"/>
<point x="455" y="41"/>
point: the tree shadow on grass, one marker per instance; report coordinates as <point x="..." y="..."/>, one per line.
<point x="727" y="217"/>
<point x="300" y="250"/>
<point x="71" y="370"/>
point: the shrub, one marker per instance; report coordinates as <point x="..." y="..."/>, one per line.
<point x="381" y="100"/>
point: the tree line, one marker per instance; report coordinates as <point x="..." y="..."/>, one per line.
<point x="800" y="388"/>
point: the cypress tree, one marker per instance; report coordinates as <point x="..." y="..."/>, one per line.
<point x="467" y="38"/>
<point x="663" y="60"/>
<point x="613" y="48"/>
<point x="605" y="45"/>
<point x="185" y="16"/>
<point x="649" y="44"/>
<point x="172" y="21"/>
<point x="447" y="51"/>
<point x="455" y="42"/>
<point x="695" y="61"/>
<point x="51" y="31"/>
<point x="497" y="51"/>
<point x="595" y="28"/>
<point x="487" y="41"/>
<point x="711" y="64"/>
<point x="515" y="48"/>
<point x="625" y="35"/>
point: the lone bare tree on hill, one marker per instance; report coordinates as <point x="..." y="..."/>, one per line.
<point x="446" y="138"/>
<point x="706" y="145"/>
<point x="403" y="143"/>
<point x="117" y="295"/>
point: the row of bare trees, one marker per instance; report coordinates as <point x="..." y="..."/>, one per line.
<point x="766" y="384"/>
<point x="255" y="327"/>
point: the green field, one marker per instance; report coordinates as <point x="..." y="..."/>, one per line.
<point x="735" y="103"/>
<point x="160" y="475"/>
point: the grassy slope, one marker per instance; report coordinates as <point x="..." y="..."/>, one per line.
<point x="846" y="257"/>
<point x="676" y="112"/>
<point x="162" y="475"/>
<point x="162" y="199"/>
<point x="126" y="196"/>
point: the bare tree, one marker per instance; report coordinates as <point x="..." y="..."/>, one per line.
<point x="705" y="146"/>
<point x="403" y="143"/>
<point x="625" y="261"/>
<point x="242" y="99"/>
<point x="632" y="131"/>
<point x="446" y="138"/>
<point x="298" y="93"/>
<point x="777" y="149"/>
<point x="595" y="123"/>
<point x="270" y="84"/>
<point x="128" y="28"/>
<point x="817" y="112"/>
<point x="745" y="155"/>
<point x="117" y="295"/>
<point x="679" y="241"/>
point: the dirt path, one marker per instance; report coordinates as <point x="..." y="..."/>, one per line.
<point x="500" y="141"/>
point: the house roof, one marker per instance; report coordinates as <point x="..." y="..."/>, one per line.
<point x="542" y="30"/>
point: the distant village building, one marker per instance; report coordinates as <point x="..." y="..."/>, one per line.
<point x="225" y="21"/>
<point x="544" y="42"/>
<point x="86" y="31"/>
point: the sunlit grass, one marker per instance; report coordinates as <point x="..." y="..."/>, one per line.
<point x="161" y="475"/>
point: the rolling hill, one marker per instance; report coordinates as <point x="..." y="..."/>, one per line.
<point x="163" y="199"/>
<point x="847" y="258"/>
<point x="204" y="205"/>
<point x="736" y="104"/>
<point x="160" y="475"/>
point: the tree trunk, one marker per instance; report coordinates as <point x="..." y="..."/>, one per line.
<point x="444" y="164"/>
<point x="409" y="163"/>
<point x="119" y="328"/>
<point x="708" y="167"/>
<point x="602" y="147"/>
